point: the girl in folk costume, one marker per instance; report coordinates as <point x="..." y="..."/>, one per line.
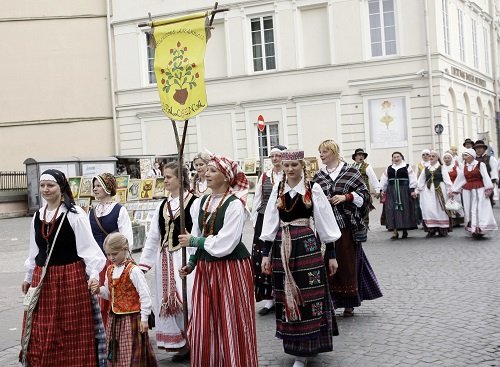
<point x="452" y="166"/>
<point x="106" y="217"/>
<point x="263" y="282"/>
<point x="419" y="169"/>
<point x="349" y="198"/>
<point x="128" y="292"/>
<point x="222" y="326"/>
<point x="433" y="186"/>
<point x="398" y="184"/>
<point x="476" y="187"/>
<point x="199" y="184"/>
<point x="63" y="327"/>
<point x="304" y="317"/>
<point x="162" y="251"/>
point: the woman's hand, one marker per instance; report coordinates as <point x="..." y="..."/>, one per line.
<point x="25" y="286"/>
<point x="337" y="199"/>
<point x="93" y="285"/>
<point x="488" y="192"/>
<point x="144" y="327"/>
<point x="414" y="195"/>
<point x="266" y="265"/>
<point x="333" y="265"/>
<point x="185" y="271"/>
<point x="184" y="239"/>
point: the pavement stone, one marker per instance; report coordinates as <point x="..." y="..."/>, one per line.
<point x="441" y="304"/>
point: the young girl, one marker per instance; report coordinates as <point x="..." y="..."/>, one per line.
<point x="130" y="299"/>
<point x="199" y="184"/>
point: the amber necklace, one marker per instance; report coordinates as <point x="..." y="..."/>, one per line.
<point x="198" y="187"/>
<point x="47" y="232"/>
<point x="293" y="204"/>
<point x="206" y="230"/>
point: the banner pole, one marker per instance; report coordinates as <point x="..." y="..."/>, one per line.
<point x="182" y="215"/>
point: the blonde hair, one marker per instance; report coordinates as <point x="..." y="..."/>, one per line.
<point x="116" y="242"/>
<point x="331" y="146"/>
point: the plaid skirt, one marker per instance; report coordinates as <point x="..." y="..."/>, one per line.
<point x="62" y="324"/>
<point x="314" y="333"/>
<point x="132" y="348"/>
<point x="262" y="282"/>
<point x="222" y="330"/>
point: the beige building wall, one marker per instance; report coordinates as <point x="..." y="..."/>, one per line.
<point x="55" y="88"/>
<point x="324" y="81"/>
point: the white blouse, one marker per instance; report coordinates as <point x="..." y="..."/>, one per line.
<point x="324" y="219"/>
<point x="86" y="246"/>
<point x="229" y="235"/>
<point x="421" y="184"/>
<point x="384" y="180"/>
<point x="257" y="200"/>
<point x="461" y="181"/>
<point x="140" y="284"/>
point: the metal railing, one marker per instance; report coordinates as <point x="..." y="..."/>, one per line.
<point x="13" y="181"/>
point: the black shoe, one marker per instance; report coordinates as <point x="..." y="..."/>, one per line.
<point x="264" y="311"/>
<point x="405" y="234"/>
<point x="429" y="235"/>
<point x="181" y="356"/>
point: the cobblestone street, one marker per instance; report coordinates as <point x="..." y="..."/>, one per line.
<point x="441" y="303"/>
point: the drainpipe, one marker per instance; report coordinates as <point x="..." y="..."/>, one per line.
<point x="112" y="78"/>
<point x="429" y="73"/>
<point x="494" y="66"/>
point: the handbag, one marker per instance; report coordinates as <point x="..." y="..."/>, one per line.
<point x="151" y="320"/>
<point x="31" y="296"/>
<point x="452" y="204"/>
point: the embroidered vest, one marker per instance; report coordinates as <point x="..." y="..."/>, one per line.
<point x="362" y="169"/>
<point x="453" y="174"/>
<point x="169" y="229"/>
<point x="473" y="178"/>
<point x="124" y="297"/>
<point x="433" y="177"/>
<point x="240" y="252"/>
<point x="267" y="188"/>
<point x="486" y="160"/>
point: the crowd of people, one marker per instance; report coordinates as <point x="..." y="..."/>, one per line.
<point x="88" y="302"/>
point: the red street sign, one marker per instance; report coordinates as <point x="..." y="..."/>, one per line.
<point x="260" y="123"/>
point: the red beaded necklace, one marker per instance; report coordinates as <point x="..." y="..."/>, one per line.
<point x="206" y="230"/>
<point x="46" y="233"/>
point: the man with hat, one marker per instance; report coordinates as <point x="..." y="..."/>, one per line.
<point x="368" y="175"/>
<point x="490" y="162"/>
<point x="468" y="143"/>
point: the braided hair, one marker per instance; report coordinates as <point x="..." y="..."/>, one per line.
<point x="306" y="199"/>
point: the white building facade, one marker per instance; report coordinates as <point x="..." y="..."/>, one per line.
<point x="358" y="71"/>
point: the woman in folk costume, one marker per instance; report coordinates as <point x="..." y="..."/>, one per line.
<point x="130" y="300"/>
<point x="452" y="166"/>
<point x="433" y="186"/>
<point x="162" y="251"/>
<point x="355" y="281"/>
<point x="398" y="184"/>
<point x="199" y="184"/>
<point x="63" y="328"/>
<point x="222" y="325"/>
<point x="263" y="282"/>
<point x="304" y="317"/>
<point x="105" y="217"/>
<point x="476" y="187"/>
<point x="419" y="169"/>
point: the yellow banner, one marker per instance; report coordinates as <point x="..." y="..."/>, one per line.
<point x="180" y="65"/>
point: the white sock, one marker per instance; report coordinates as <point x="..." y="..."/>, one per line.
<point x="300" y="362"/>
<point x="269" y="303"/>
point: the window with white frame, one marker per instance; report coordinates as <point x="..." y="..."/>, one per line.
<point x="446" y="27"/>
<point x="151" y="61"/>
<point x="474" y="44"/>
<point x="486" y="50"/>
<point x="264" y="57"/>
<point x="461" y="41"/>
<point x="382" y="27"/>
<point x="270" y="137"/>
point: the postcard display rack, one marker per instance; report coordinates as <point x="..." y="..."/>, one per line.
<point x="139" y="196"/>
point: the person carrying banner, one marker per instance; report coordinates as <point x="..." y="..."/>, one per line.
<point x="342" y="184"/>
<point x="263" y="282"/>
<point x="162" y="251"/>
<point x="222" y="325"/>
<point x="368" y="176"/>
<point x="304" y="317"/>
<point x="64" y="328"/>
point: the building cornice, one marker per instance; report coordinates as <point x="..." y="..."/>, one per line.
<point x="54" y="121"/>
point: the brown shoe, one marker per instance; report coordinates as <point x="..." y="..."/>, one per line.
<point x="348" y="312"/>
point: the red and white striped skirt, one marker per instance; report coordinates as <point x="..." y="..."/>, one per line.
<point x="222" y="327"/>
<point x="62" y="323"/>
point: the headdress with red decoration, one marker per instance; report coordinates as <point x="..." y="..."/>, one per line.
<point x="238" y="181"/>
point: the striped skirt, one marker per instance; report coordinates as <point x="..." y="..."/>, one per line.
<point x="132" y="348"/>
<point x="314" y="333"/>
<point x="222" y="327"/>
<point x="62" y="324"/>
